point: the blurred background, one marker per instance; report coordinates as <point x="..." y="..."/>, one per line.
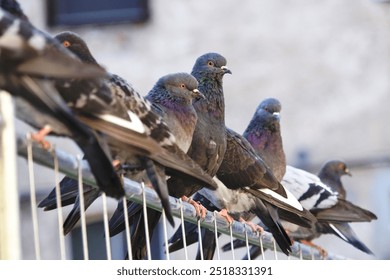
<point x="328" y="62"/>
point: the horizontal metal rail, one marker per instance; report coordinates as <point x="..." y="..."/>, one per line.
<point x="68" y="164"/>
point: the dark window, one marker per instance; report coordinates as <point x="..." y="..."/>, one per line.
<point x="78" y="12"/>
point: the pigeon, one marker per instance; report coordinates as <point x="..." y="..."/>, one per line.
<point x="247" y="184"/>
<point x="171" y="98"/>
<point x="330" y="174"/>
<point x="209" y="138"/>
<point x="313" y="192"/>
<point x="171" y="157"/>
<point x="264" y="134"/>
<point x="30" y="61"/>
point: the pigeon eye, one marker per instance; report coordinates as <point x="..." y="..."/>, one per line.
<point x="182" y="85"/>
<point x="210" y="63"/>
<point x="66" y="44"/>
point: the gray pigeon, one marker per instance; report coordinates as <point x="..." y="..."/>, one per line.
<point x="171" y="97"/>
<point x="335" y="218"/>
<point x="209" y="138"/>
<point x="247" y="184"/>
<point x="314" y="193"/>
<point x="330" y="174"/>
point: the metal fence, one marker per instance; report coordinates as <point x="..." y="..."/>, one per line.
<point x="13" y="144"/>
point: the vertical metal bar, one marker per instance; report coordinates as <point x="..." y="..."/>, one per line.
<point x="82" y="210"/>
<point x="247" y="244"/>
<point x="216" y="236"/>
<point x="231" y="241"/>
<point x="275" y="251"/>
<point x="10" y="247"/>
<point x="127" y="227"/>
<point x="164" y="218"/>
<point x="33" y="200"/>
<point x="145" y="209"/>
<point x="183" y="229"/>
<point x="60" y="218"/>
<point x="106" y="227"/>
<point x="300" y="252"/>
<point x="200" y="241"/>
<point x="262" y="246"/>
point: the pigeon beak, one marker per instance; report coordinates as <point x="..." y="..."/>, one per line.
<point x="197" y="94"/>
<point x="348" y="172"/>
<point x="226" y="70"/>
<point x="276" y="115"/>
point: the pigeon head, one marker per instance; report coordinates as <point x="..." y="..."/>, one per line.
<point x="211" y="65"/>
<point x="267" y="116"/>
<point x="181" y="85"/>
<point x="271" y="105"/>
<point x="336" y="167"/>
<point x="76" y="45"/>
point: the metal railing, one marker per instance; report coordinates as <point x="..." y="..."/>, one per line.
<point x="77" y="168"/>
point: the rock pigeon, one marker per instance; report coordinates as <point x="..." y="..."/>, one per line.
<point x="330" y="174"/>
<point x="28" y="58"/>
<point x="314" y="193"/>
<point x="247" y="184"/>
<point x="209" y="138"/>
<point x="171" y="97"/>
<point x="333" y="212"/>
<point x="171" y="157"/>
